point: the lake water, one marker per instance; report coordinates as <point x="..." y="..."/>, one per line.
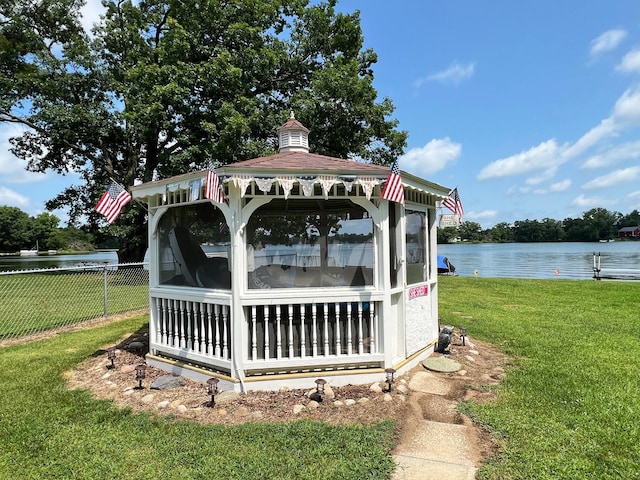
<point x="15" y="262"/>
<point x="541" y="260"/>
<point x="508" y="260"/>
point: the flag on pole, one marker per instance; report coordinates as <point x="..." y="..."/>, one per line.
<point x="453" y="203"/>
<point x="212" y="187"/>
<point x="112" y="201"/>
<point x="393" y="189"/>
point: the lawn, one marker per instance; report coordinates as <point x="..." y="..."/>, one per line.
<point x="569" y="408"/>
<point x="51" y="432"/>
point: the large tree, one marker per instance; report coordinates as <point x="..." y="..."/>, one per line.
<point x="165" y="87"/>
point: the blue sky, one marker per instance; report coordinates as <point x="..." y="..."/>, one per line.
<point x="531" y="109"/>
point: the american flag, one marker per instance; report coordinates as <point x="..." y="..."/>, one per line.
<point x="393" y="189"/>
<point x="112" y="201"/>
<point x="212" y="187"/>
<point x="453" y="203"/>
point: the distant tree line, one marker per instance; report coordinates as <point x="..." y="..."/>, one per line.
<point x="594" y="225"/>
<point x="19" y="231"/>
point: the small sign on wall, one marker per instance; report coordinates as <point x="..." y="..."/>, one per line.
<point x="418" y="291"/>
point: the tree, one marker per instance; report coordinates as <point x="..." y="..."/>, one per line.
<point x="470" y="231"/>
<point x="502" y="232"/>
<point x="168" y="86"/>
<point x="45" y="226"/>
<point x="15" y="230"/>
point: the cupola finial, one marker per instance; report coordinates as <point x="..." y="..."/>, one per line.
<point x="293" y="136"/>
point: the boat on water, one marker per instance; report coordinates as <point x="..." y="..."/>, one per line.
<point x="445" y="267"/>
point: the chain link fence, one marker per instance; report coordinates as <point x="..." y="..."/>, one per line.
<point x="34" y="301"/>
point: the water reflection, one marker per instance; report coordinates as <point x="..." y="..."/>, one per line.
<point x="15" y="262"/>
<point x="540" y="260"/>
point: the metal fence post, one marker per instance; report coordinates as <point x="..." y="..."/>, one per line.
<point x="106" y="292"/>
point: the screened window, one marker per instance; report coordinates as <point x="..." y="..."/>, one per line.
<point x="194" y="243"/>
<point x="308" y="243"/>
<point x="416" y="246"/>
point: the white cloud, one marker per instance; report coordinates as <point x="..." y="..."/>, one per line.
<point x="91" y="12"/>
<point x="12" y="199"/>
<point x="545" y="156"/>
<point x="626" y="111"/>
<point x="453" y="75"/>
<point x="617" y="154"/>
<point x="614" y="178"/>
<point x="561" y="186"/>
<point x="630" y="62"/>
<point x="635" y="194"/>
<point x="608" y="41"/>
<point x="431" y="158"/>
<point x="12" y="168"/>
<point x="482" y="214"/>
<point x="587" y="202"/>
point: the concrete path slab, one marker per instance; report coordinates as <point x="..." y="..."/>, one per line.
<point x="427" y="382"/>
<point x="435" y="451"/>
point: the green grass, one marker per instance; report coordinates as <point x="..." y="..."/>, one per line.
<point x="32" y="303"/>
<point x="570" y="408"/>
<point x="50" y="432"/>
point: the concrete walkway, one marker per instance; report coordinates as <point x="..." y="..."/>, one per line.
<point x="434" y="449"/>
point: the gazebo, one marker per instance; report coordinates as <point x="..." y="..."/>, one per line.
<point x="295" y="268"/>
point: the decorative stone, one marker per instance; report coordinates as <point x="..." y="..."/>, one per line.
<point x="349" y="401"/>
<point x="402" y="398"/>
<point x="375" y="388"/>
<point x="175" y="404"/>
<point x="167" y="382"/>
<point x="363" y="400"/>
<point x="338" y="403"/>
<point x="283" y="389"/>
<point x="242" y="412"/>
<point x="402" y="389"/>
<point x="128" y="391"/>
<point x="162" y="404"/>
<point x="106" y="375"/>
<point x="328" y="392"/>
<point x="227" y="396"/>
<point x="462" y="373"/>
<point x="441" y="364"/>
<point x="387" y="398"/>
<point x="297" y="409"/>
<point x="313" y="405"/>
<point x="182" y="409"/>
<point x="474" y="352"/>
<point x="148" y="398"/>
<point x="470" y="358"/>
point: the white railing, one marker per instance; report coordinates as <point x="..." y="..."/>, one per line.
<point x="193" y="330"/>
<point x="276" y="336"/>
<point x="299" y="336"/>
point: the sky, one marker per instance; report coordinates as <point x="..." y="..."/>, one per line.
<point x="530" y="109"/>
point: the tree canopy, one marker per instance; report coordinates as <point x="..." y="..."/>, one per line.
<point x="164" y="87"/>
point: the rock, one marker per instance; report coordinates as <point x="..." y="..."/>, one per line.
<point x="402" y="389"/>
<point x="182" y="409"/>
<point x="470" y="358"/>
<point x="387" y="398"/>
<point x="106" y="375"/>
<point x="128" y="391"/>
<point x="328" y="392"/>
<point x="242" y="412"/>
<point x="363" y="400"/>
<point x="297" y="409"/>
<point x="475" y="352"/>
<point x="148" y="398"/>
<point x="284" y="389"/>
<point x="338" y="403"/>
<point x="313" y="405"/>
<point x="402" y="398"/>
<point x="257" y="415"/>
<point x="375" y="388"/>
<point x="226" y="397"/>
<point x="135" y="346"/>
<point x="462" y="373"/>
<point x="349" y="401"/>
<point x="167" y="382"/>
<point x="175" y="404"/>
<point x="162" y="404"/>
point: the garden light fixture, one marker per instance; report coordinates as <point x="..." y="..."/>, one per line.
<point x="320" y="383"/>
<point x="212" y="389"/>
<point x="140" y="374"/>
<point x="389" y="380"/>
<point x="111" y="355"/>
<point x="463" y="334"/>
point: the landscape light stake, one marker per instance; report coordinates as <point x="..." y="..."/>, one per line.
<point x="463" y="334"/>
<point x="140" y="374"/>
<point x="111" y="355"/>
<point x="389" y="372"/>
<point x="320" y="383"/>
<point x="212" y="389"/>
